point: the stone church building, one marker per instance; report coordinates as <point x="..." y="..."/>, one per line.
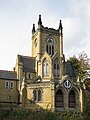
<point x="43" y="80"/>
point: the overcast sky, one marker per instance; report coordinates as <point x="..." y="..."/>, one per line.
<point x="18" y="16"/>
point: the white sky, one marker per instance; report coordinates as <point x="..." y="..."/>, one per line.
<point x="18" y="16"/>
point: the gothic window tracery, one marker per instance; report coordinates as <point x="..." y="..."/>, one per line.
<point x="50" y="46"/>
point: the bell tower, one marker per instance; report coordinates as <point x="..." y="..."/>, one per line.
<point x="48" y="41"/>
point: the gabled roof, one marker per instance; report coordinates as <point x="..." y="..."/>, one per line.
<point x="11" y="75"/>
<point x="69" y="69"/>
<point x="28" y="63"/>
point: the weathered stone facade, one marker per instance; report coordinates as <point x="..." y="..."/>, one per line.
<point x="44" y="80"/>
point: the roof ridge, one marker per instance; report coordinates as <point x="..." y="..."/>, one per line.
<point x="7" y="71"/>
<point x="26" y="56"/>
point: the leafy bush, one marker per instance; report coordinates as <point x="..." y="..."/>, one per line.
<point x="23" y="114"/>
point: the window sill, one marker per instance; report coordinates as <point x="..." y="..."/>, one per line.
<point x="38" y="101"/>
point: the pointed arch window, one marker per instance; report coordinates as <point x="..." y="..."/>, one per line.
<point x="45" y="68"/>
<point x="50" y="46"/>
<point x="35" y="95"/>
<point x="56" y="68"/>
<point x="39" y="95"/>
<point x="72" y="99"/>
<point x="59" y="99"/>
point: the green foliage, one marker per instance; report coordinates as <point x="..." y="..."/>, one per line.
<point x="80" y="65"/>
<point x="75" y="63"/>
<point x="23" y="114"/>
<point x="76" y="66"/>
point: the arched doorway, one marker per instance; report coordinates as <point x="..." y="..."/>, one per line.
<point x="59" y="99"/>
<point x="72" y="99"/>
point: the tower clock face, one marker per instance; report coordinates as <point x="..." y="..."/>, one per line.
<point x="67" y="84"/>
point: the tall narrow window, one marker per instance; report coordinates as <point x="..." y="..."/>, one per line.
<point x="59" y="98"/>
<point x="50" y="46"/>
<point x="39" y="95"/>
<point x="7" y="84"/>
<point x="72" y="99"/>
<point x="11" y="84"/>
<point x="35" y="95"/>
<point x="56" y="68"/>
<point x="45" y="68"/>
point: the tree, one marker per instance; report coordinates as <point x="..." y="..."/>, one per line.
<point x="75" y="62"/>
<point x="84" y="63"/>
<point x="80" y="64"/>
<point x="84" y="60"/>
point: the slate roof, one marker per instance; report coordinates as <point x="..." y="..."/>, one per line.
<point x="28" y="63"/>
<point x="69" y="69"/>
<point x="11" y="75"/>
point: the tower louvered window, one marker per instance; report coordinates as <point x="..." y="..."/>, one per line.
<point x="50" y="47"/>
